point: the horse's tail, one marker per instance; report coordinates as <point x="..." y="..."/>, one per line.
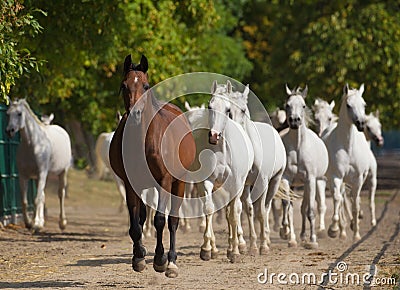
<point x="281" y="193"/>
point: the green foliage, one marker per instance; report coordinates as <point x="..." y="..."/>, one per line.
<point x="85" y="43"/>
<point x="16" y="24"/>
<point x="326" y="45"/>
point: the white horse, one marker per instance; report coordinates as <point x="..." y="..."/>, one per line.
<point x="103" y="162"/>
<point x="44" y="149"/>
<point x="325" y="119"/>
<point x="307" y="162"/>
<point x="278" y="118"/>
<point x="348" y="158"/>
<point x="269" y="164"/>
<point x="227" y="169"/>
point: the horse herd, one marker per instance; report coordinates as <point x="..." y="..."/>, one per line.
<point x="250" y="163"/>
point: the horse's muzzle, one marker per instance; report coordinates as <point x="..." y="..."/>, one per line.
<point x="379" y="141"/>
<point x="213" y="137"/>
<point x="10" y="133"/>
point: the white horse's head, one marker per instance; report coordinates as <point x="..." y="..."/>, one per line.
<point x="355" y="106"/>
<point x="219" y="110"/>
<point x="16" y="117"/>
<point x="373" y="129"/>
<point x="296" y="107"/>
<point x="323" y="115"/>
<point x="278" y="118"/>
<point x="47" y="119"/>
<point x="239" y="110"/>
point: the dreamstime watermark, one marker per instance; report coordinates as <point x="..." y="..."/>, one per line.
<point x="133" y="145"/>
<point x="339" y="277"/>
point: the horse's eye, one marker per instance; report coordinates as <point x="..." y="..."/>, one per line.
<point x="243" y="111"/>
<point x="329" y="119"/>
<point x="228" y="111"/>
<point x="304" y="106"/>
<point x="146" y="87"/>
<point x="19" y="114"/>
<point x="348" y="106"/>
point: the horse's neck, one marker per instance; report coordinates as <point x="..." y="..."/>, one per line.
<point x="298" y="135"/>
<point x="345" y="129"/>
<point x="32" y="133"/>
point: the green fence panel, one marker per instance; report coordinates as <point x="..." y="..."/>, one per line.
<point x="10" y="197"/>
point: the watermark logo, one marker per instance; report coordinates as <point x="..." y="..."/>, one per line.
<point x="206" y="165"/>
<point x="340" y="276"/>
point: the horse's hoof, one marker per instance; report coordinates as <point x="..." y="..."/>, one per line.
<point x="229" y="254"/>
<point x="373" y="223"/>
<point x="264" y="250"/>
<point x="160" y="263"/>
<point x="214" y="254"/>
<point x="303" y="238"/>
<point x="321" y="234"/>
<point x="292" y="244"/>
<point x="62" y="224"/>
<point x="333" y="233"/>
<point x="172" y="270"/>
<point x="242" y="249"/>
<point x="234" y="258"/>
<point x="311" y="245"/>
<point x="253" y="251"/>
<point x="138" y="264"/>
<point x="356" y="238"/>
<point x="205" y="255"/>
<point x="284" y="234"/>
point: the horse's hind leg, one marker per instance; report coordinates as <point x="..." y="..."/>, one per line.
<point x="121" y="190"/>
<point x="178" y="189"/>
<point x="23" y="185"/>
<point x="62" y="185"/>
<point x="372" y="190"/>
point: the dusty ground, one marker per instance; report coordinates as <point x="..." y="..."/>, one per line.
<point x="94" y="251"/>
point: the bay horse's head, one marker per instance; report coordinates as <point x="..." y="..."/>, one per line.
<point x="134" y="85"/>
<point x="296" y="107"/>
<point x="355" y="106"/>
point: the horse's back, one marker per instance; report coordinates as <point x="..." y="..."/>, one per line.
<point x="60" y="159"/>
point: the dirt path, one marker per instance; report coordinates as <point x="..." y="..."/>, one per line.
<point x="95" y="250"/>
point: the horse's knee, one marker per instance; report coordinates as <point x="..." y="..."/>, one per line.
<point x="159" y="221"/>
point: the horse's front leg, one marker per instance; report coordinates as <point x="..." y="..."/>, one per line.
<point x="355" y="194"/>
<point x="233" y="221"/>
<point x="135" y="229"/>
<point x="336" y="184"/>
<point x="208" y="248"/>
<point x="321" y="201"/>
<point x="62" y="185"/>
<point x="285" y="230"/>
<point x="311" y="188"/>
<point x="372" y="191"/>
<point x="23" y="185"/>
<point x="38" y="221"/>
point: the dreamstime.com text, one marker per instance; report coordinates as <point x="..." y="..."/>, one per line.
<point x="339" y="277"/>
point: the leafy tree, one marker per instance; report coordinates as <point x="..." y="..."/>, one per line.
<point x="326" y="45"/>
<point x="16" y="24"/>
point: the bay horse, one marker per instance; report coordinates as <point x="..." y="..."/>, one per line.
<point x="147" y="119"/>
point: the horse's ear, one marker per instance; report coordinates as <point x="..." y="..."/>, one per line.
<point x="316" y="102"/>
<point x="51" y="117"/>
<point x="288" y="91"/>
<point x="118" y="116"/>
<point x="127" y="63"/>
<point x="377" y="113"/>
<point x="304" y="92"/>
<point x="361" y="89"/>
<point x="202" y="106"/>
<point x="214" y="87"/>
<point x="332" y="105"/>
<point x="228" y="87"/>
<point x="144" y="64"/>
<point x="346" y="89"/>
<point x="246" y="92"/>
<point x="187" y="106"/>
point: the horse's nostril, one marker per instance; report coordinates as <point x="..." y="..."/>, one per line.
<point x="290" y="119"/>
<point x="298" y="119"/>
